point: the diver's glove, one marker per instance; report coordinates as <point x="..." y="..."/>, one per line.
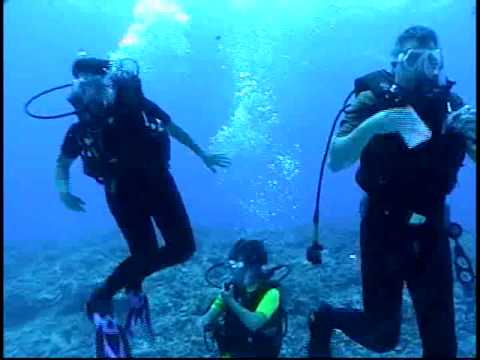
<point x="404" y="121"/>
<point x="464" y="121"/>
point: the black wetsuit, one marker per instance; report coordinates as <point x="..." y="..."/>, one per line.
<point x="399" y="183"/>
<point x="130" y="157"/>
<point x="394" y="253"/>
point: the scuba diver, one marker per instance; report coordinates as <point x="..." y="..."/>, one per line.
<point x="123" y="140"/>
<point x="411" y="134"/>
<point x="247" y="318"/>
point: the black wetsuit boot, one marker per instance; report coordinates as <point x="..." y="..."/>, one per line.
<point x="321" y="329"/>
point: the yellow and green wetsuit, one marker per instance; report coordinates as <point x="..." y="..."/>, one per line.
<point x="267" y="306"/>
<point x="234" y="339"/>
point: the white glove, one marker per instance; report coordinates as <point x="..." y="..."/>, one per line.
<point x="464" y="121"/>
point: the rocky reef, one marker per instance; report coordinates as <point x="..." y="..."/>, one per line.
<point x="45" y="292"/>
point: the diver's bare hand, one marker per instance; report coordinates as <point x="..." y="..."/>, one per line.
<point x="464" y="121"/>
<point x="212" y="160"/>
<point x="227" y="295"/>
<point x="72" y="202"/>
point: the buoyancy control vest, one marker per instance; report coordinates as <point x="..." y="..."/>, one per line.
<point x="94" y="158"/>
<point x="428" y="172"/>
<point x="103" y="153"/>
<point x="235" y="338"/>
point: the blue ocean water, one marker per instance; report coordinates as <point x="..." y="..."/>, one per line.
<point x="257" y="80"/>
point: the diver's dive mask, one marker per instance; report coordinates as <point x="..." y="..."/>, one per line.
<point x="88" y="107"/>
<point x="238" y="273"/>
<point x="245" y="265"/>
<point x="428" y="62"/>
<point x="244" y="275"/>
<point x="93" y="97"/>
<point x="99" y="82"/>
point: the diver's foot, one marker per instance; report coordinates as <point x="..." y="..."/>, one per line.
<point x="139" y="315"/>
<point x="321" y="329"/>
<point x="99" y="303"/>
<point x="110" y="338"/>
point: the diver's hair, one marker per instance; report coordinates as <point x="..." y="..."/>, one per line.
<point x="91" y="66"/>
<point x="422" y="34"/>
<point x="249" y="251"/>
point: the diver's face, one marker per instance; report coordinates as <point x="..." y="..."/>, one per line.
<point x="98" y="98"/>
<point x="418" y="66"/>
<point x="102" y="106"/>
<point x="247" y="277"/>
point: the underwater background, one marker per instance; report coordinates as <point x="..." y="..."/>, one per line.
<point x="260" y="81"/>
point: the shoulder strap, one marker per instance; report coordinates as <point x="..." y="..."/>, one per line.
<point x="382" y="84"/>
<point x="379" y="82"/>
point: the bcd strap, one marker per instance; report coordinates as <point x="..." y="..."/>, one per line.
<point x="379" y="82"/>
<point x="382" y="84"/>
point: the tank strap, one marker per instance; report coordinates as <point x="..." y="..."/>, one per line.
<point x="382" y="84"/>
<point x="379" y="82"/>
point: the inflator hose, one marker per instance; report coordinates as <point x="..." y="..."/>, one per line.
<point x="322" y="169"/>
<point x="33" y="98"/>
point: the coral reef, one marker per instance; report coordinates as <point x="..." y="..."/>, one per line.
<point x="45" y="293"/>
